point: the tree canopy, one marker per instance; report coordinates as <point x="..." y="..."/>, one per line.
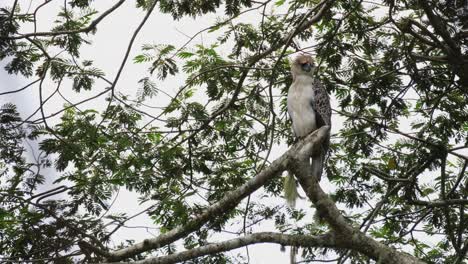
<point x="208" y="158"/>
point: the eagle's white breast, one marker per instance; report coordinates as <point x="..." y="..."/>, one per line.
<point x="300" y="98"/>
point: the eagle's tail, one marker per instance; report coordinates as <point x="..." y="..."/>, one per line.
<point x="290" y="189"/>
<point x="317" y="165"/>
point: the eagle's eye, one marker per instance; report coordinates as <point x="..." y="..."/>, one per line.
<point x="306" y="66"/>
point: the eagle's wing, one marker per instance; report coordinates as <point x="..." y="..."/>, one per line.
<point x="322" y="108"/>
<point x="321" y="104"/>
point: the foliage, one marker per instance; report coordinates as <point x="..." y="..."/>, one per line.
<point x="398" y="73"/>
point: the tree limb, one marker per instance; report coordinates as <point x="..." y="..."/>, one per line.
<point x="440" y="203"/>
<point x="440" y="28"/>
<point x="443" y="59"/>
<point x="326" y="240"/>
<point x="384" y="176"/>
<point x="87" y="29"/>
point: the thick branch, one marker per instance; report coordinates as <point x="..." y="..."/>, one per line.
<point x="326" y="240"/>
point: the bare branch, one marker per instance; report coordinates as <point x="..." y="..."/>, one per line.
<point x="326" y="240"/>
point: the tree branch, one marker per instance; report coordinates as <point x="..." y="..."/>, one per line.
<point x="443" y="59"/>
<point x="440" y="203"/>
<point x="326" y="240"/>
<point x="440" y="28"/>
<point x="453" y="50"/>
<point x="384" y="176"/>
<point x="87" y="29"/>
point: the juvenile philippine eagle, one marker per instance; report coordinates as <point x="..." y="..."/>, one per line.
<point x="309" y="109"/>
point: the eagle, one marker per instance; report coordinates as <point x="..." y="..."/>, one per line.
<point x="309" y="109"/>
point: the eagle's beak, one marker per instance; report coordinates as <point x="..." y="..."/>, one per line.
<point x="306" y="67"/>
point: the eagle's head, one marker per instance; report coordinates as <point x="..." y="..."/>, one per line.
<point x="303" y="64"/>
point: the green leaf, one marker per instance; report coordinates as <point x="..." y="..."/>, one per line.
<point x="280" y="2"/>
<point x="154" y="137"/>
<point x="139" y="58"/>
<point x="185" y="54"/>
